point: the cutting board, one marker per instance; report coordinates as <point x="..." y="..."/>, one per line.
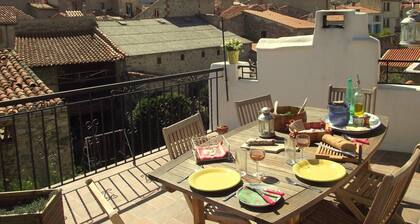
<point x="278" y="147"/>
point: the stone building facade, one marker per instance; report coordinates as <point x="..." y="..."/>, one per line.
<point x="180" y="8"/>
<point x="168" y="46"/>
<point x="309" y="6"/>
<point x="390" y="9"/>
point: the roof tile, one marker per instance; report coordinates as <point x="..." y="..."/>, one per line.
<point x="17" y="81"/>
<point x="283" y="19"/>
<point x="401" y="54"/>
<point x="66" y="48"/>
<point x="9" y="14"/>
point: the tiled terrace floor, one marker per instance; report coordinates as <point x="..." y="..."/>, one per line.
<point x="140" y="201"/>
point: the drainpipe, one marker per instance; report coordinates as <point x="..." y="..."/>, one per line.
<point x="224" y="59"/>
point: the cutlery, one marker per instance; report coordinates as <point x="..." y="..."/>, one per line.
<point x="336" y="150"/>
<point x="268" y="191"/>
<point x="357" y="140"/>
<point x="184" y="178"/>
<point x="261" y="193"/>
<point x="292" y="182"/>
<point x="303" y="105"/>
<point x="229" y="196"/>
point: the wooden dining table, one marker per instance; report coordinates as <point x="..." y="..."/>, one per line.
<point x="297" y="199"/>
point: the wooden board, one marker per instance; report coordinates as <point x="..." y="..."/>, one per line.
<point x="297" y="199"/>
<point x="325" y="153"/>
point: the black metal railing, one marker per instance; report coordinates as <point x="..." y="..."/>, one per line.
<point x="98" y="127"/>
<point x="248" y="72"/>
<point x="395" y="72"/>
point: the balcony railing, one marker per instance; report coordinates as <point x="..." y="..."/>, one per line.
<point x="401" y="72"/>
<point x="248" y="72"/>
<point x="97" y="128"/>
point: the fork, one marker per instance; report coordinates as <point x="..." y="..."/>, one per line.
<point x="292" y="182"/>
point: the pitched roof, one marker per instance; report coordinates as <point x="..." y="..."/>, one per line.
<point x="71" y="13"/>
<point x="359" y="8"/>
<point x="282" y="19"/>
<point x="9" y="14"/>
<point x="236" y="10"/>
<point x="17" y="80"/>
<point x="153" y="36"/>
<point x="402" y="54"/>
<point x="66" y="48"/>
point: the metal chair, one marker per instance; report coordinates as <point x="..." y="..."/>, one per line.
<point x="248" y="110"/>
<point x="387" y="192"/>
<point x="178" y="141"/>
<point x="103" y="203"/>
<point x="338" y="94"/>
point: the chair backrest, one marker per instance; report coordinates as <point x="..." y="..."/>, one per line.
<point x="338" y="94"/>
<point x="178" y="136"/>
<point x="248" y="110"/>
<point x="392" y="190"/>
<point x="103" y="203"/>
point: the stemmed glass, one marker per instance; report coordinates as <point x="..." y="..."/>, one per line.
<point x="257" y="155"/>
<point x="302" y="141"/>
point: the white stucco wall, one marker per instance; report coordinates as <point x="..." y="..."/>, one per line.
<point x="292" y="68"/>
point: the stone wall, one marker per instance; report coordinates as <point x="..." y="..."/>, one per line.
<point x="306" y="5"/>
<point x="19" y="4"/>
<point x="55" y="146"/>
<point x="60" y="24"/>
<point x="7" y="36"/>
<point x="255" y="26"/>
<point x="171" y="62"/>
<point x="42" y="13"/>
<point x="234" y="25"/>
<point x="49" y="76"/>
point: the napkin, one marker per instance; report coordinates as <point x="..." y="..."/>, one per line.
<point x="212" y="152"/>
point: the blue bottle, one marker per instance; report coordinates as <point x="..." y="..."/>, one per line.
<point x="349" y="95"/>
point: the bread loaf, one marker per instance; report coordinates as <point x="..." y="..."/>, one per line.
<point x="260" y="142"/>
<point x="339" y="142"/>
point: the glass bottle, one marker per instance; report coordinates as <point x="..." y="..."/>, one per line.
<point x="358" y="100"/>
<point x="349" y="95"/>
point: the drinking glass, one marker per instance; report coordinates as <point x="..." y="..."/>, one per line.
<point x="241" y="160"/>
<point x="257" y="155"/>
<point x="290" y="149"/>
<point x="302" y="141"/>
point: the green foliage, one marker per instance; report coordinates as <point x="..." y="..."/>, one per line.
<point x="153" y="113"/>
<point x="31" y="207"/>
<point x="233" y="45"/>
<point x="384" y="33"/>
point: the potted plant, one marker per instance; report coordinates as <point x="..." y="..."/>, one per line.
<point x="34" y="206"/>
<point x="232" y="47"/>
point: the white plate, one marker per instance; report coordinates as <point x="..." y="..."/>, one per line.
<point x="374" y="121"/>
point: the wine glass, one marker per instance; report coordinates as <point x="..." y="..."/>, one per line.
<point x="257" y="155"/>
<point x="302" y="141"/>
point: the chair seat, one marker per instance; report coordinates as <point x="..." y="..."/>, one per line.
<point x="326" y="212"/>
<point x="365" y="184"/>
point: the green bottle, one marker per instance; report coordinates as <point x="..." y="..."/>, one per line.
<point x="349" y="95"/>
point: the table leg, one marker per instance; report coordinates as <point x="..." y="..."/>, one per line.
<point x="197" y="210"/>
<point x="294" y="220"/>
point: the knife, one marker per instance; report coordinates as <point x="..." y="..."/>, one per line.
<point x="261" y="193"/>
<point x="267" y="190"/>
<point x="336" y="150"/>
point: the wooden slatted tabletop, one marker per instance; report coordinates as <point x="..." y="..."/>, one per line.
<point x="297" y="199"/>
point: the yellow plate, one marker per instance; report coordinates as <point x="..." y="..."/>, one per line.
<point x="214" y="179"/>
<point x="319" y="170"/>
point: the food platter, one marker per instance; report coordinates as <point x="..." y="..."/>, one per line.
<point x="374" y="123"/>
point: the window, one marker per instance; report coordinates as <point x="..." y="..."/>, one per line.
<point x="156" y="13"/>
<point x="129" y="9"/>
<point x="263" y="34"/>
<point x="370" y="28"/>
<point x="159" y="60"/>
<point x="203" y="54"/>
<point x="218" y="52"/>
<point x="182" y="57"/>
<point x="386" y="6"/>
<point x="386" y="22"/>
<point x="102" y="5"/>
<point x="377" y="18"/>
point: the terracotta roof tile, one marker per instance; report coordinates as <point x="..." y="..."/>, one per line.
<point x="403" y="54"/>
<point x="17" y="80"/>
<point x="9" y="14"/>
<point x="67" y="48"/>
<point x="236" y="10"/>
<point x="283" y="19"/>
<point x="359" y="8"/>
